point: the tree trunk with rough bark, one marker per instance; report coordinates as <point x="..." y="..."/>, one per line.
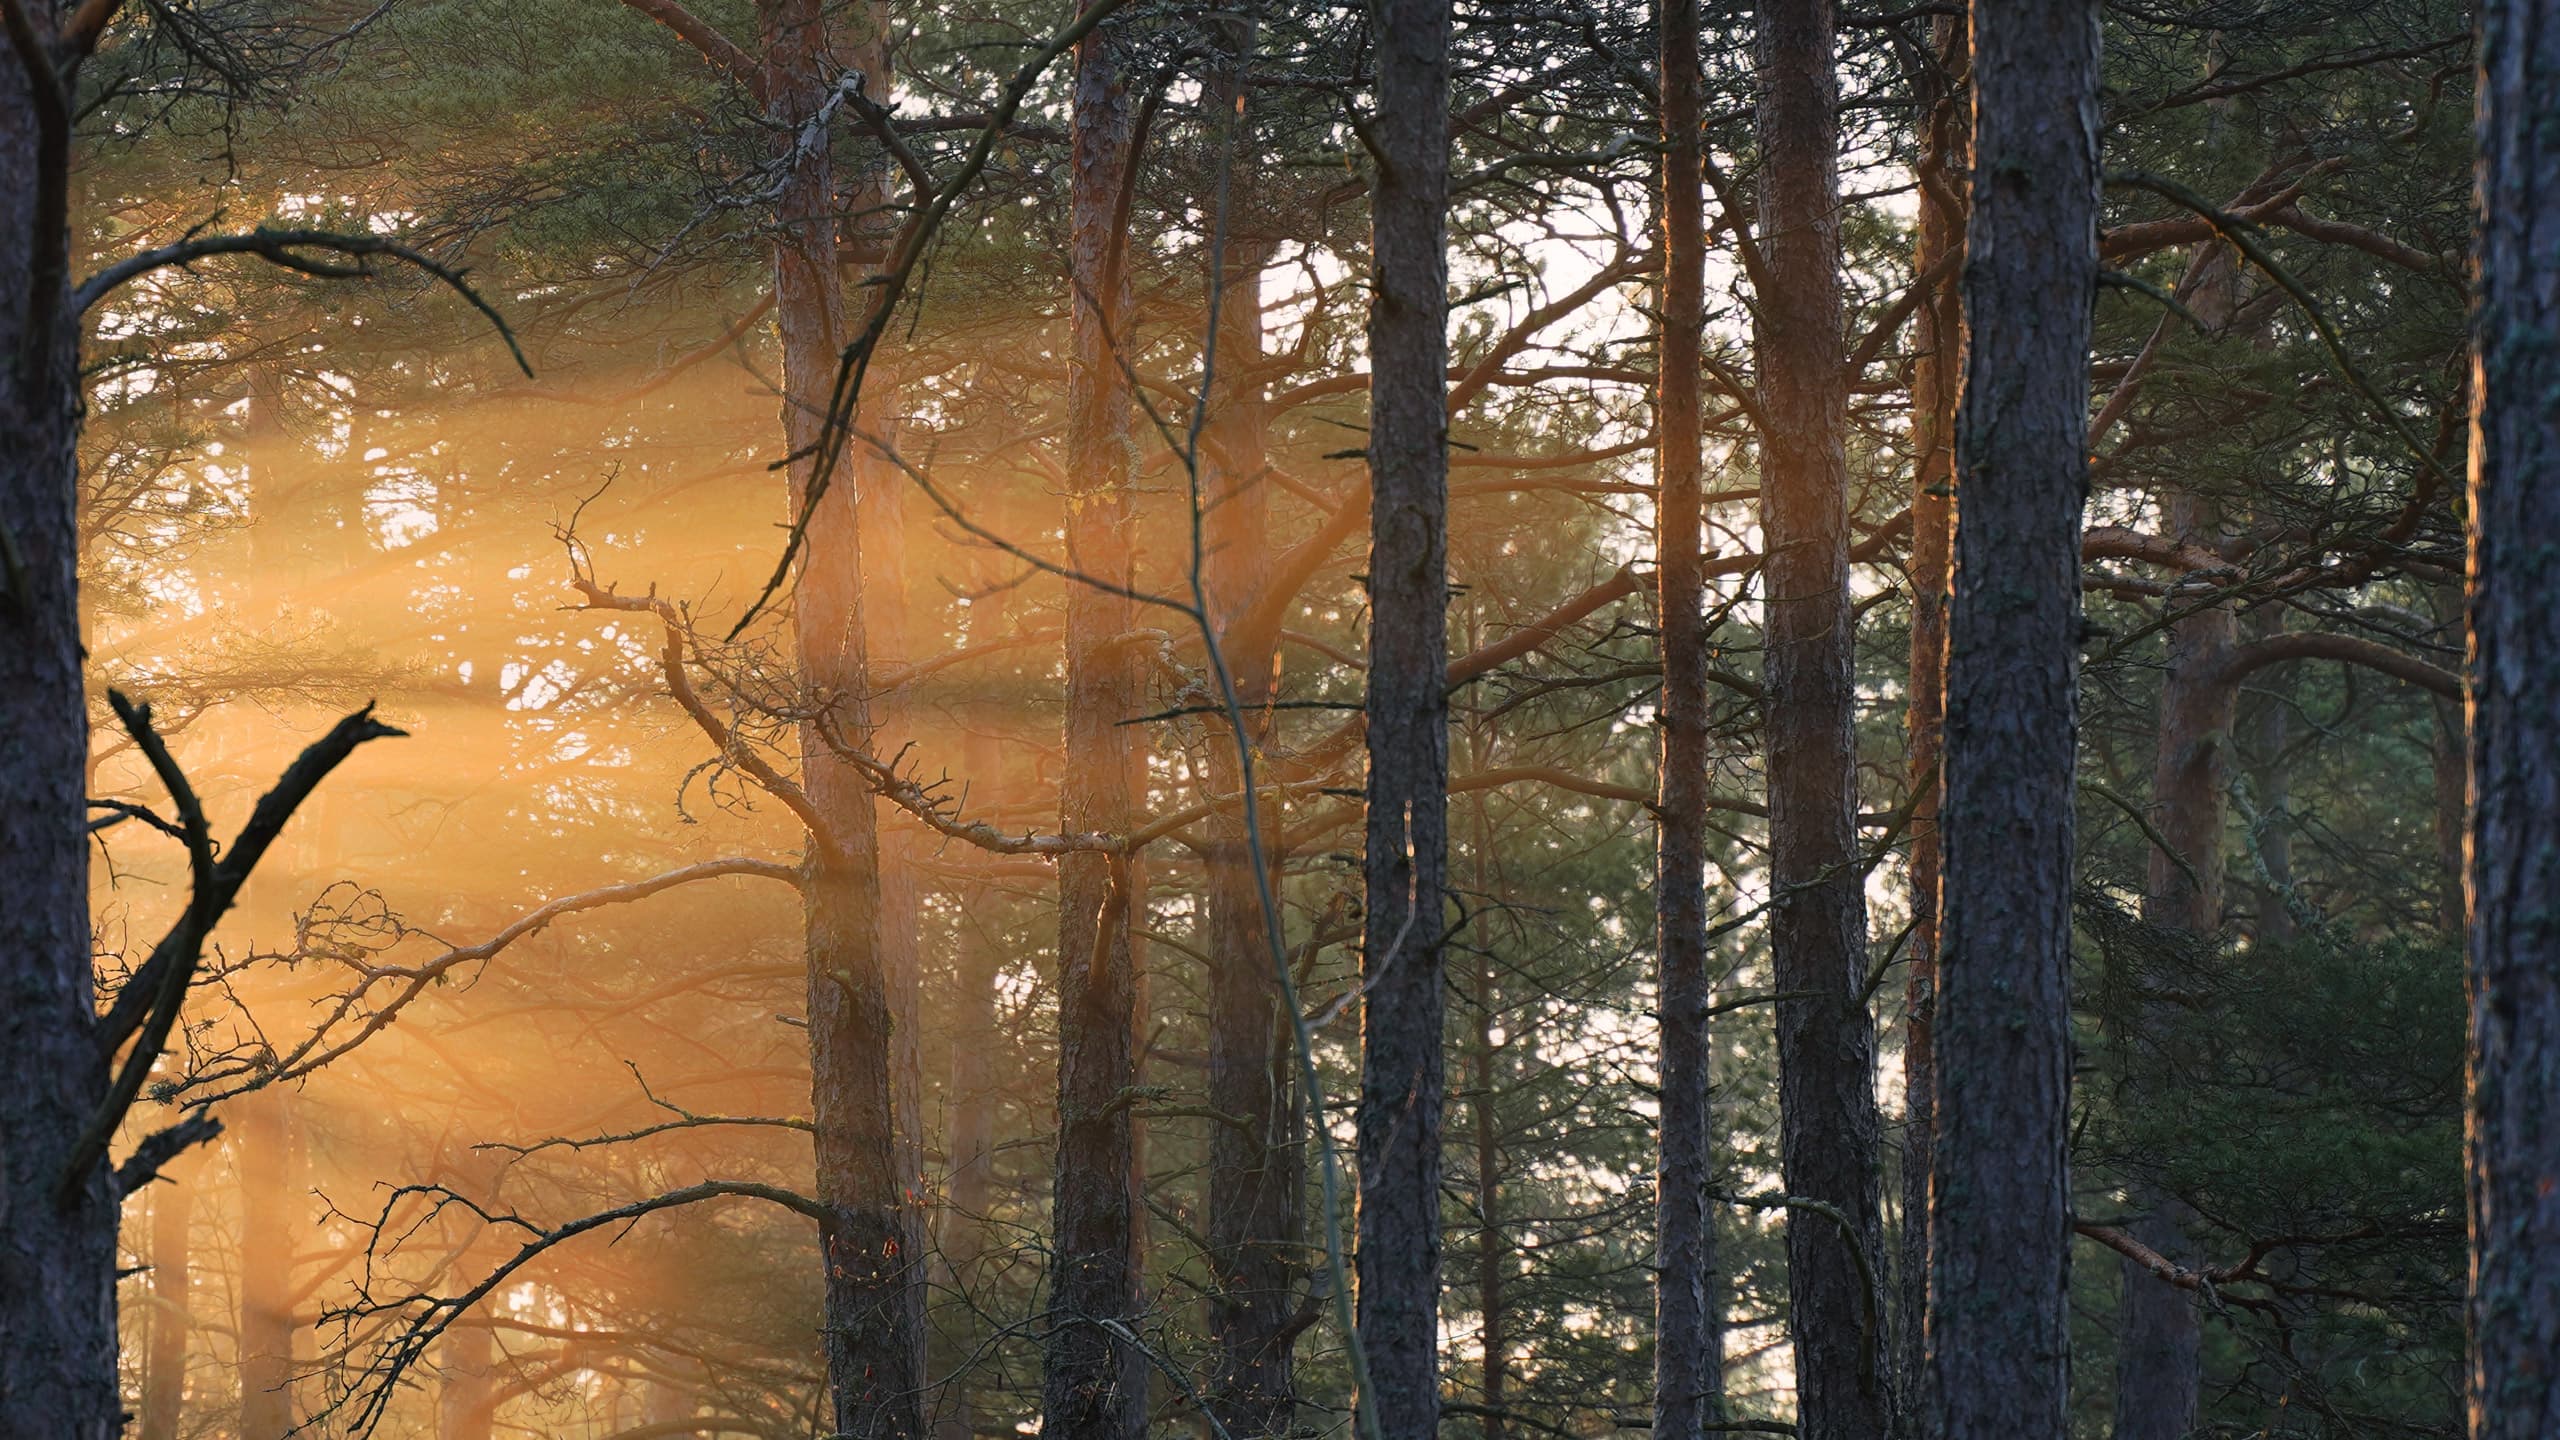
<point x="1094" y="1385"/>
<point x="2000" y="1228"/>
<point x="57" y="1263"/>
<point x="873" y="1347"/>
<point x="2515" y="732"/>
<point x="1936" y="367"/>
<point x="1254" y="1178"/>
<point x="1818" y="926"/>
<point x="1688" y="1344"/>
<point x="1405" y="872"/>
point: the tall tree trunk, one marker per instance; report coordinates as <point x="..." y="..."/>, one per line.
<point x="2000" y="1227"/>
<point x="866" y="237"/>
<point x="1094" y="1385"/>
<point x="2515" y="733"/>
<point x="1938" y="345"/>
<point x="57" y="1263"/>
<point x="1254" y="1176"/>
<point x="2159" y="1333"/>
<point x="873" y="1346"/>
<point x="1484" y="1122"/>
<point x="1688" y="1344"/>
<point x="262" y="1123"/>
<point x="164" y="1356"/>
<point x="1407" y="826"/>
<point x="969" y="1190"/>
<point x="466" y="1404"/>
<point x="1818" y="928"/>
<point x="467" y="1398"/>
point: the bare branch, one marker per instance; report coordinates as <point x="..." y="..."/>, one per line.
<point x="284" y="248"/>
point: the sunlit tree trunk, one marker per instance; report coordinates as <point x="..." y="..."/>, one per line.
<point x="2000" y="1227"/>
<point x="57" y="1263"/>
<point x="1936" y="367"/>
<point x="2515" y="732"/>
<point x="1688" y="1344"/>
<point x="1407" y="828"/>
<point x="866" y="238"/>
<point x="1826" y="1041"/>
<point x="873" y="1345"/>
<point x="262" y="1127"/>
<point x="466" y="1402"/>
<point x="1094" y="1385"/>
<point x="164" y="1356"/>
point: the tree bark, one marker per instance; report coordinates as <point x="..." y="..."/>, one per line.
<point x="866" y="237"/>
<point x="1094" y="1385"/>
<point x="57" y="1264"/>
<point x="1826" y="1041"/>
<point x="874" y="1349"/>
<point x="1937" y="365"/>
<point x="1254" y="1179"/>
<point x="2000" y="1228"/>
<point x="1407" y="824"/>
<point x="1688" y="1345"/>
<point x="2515" y="732"/>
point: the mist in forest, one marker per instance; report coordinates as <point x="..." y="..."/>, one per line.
<point x="798" y="718"/>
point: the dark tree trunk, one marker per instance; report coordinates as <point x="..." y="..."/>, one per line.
<point x="2515" y="733"/>
<point x="2159" y="1333"/>
<point x="2000" y="1228"/>
<point x="1688" y="1345"/>
<point x="1484" y="1122"/>
<point x="1254" y="1177"/>
<point x="57" y="1263"/>
<point x="262" y="1123"/>
<point x="1938" y="345"/>
<point x="1407" y="827"/>
<point x="1818" y="928"/>
<point x="1094" y="1387"/>
<point x="164" y="1356"/>
<point x="874" y="1349"/>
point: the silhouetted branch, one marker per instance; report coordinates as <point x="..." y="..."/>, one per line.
<point x="148" y="1006"/>
<point x="286" y="248"/>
